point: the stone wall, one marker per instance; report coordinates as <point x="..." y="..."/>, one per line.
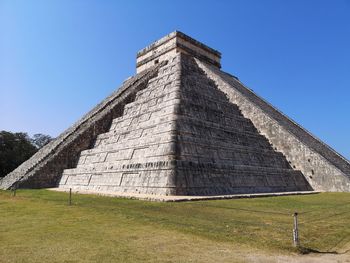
<point x="325" y="169"/>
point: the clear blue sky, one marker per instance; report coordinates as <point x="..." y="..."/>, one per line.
<point x="58" y="59"/>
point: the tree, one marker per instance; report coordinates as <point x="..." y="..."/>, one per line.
<point x="39" y="140"/>
<point x="15" y="148"/>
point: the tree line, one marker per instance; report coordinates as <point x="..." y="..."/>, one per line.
<point x="15" y="148"/>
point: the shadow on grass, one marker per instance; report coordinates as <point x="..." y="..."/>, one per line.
<point x="305" y="250"/>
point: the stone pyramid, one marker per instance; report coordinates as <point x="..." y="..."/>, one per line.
<point x="181" y="126"/>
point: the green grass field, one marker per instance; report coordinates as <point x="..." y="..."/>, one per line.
<point x="39" y="226"/>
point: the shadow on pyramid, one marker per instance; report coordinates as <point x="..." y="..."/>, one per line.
<point x="183" y="127"/>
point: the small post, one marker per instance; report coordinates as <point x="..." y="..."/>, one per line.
<point x="13" y="192"/>
<point x="70" y="196"/>
<point x="295" y="230"/>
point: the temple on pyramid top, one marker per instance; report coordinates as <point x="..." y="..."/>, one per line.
<point x="172" y="44"/>
<point x="182" y="127"/>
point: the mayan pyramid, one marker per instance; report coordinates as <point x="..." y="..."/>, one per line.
<point x="182" y="126"/>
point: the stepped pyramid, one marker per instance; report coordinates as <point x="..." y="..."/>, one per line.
<point x="182" y="126"/>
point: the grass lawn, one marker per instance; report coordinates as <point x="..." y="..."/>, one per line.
<point x="39" y="226"/>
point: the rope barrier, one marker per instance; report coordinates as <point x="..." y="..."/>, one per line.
<point x="251" y="210"/>
<point x="323" y="208"/>
<point x="326" y="217"/>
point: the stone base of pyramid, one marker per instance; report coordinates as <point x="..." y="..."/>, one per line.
<point x="181" y="198"/>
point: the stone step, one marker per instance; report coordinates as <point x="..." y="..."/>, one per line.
<point x="157" y="100"/>
<point x="123" y="135"/>
<point x="228" y="136"/>
<point x="134" y="143"/>
<point x="161" y="162"/>
<point x="187" y="166"/>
